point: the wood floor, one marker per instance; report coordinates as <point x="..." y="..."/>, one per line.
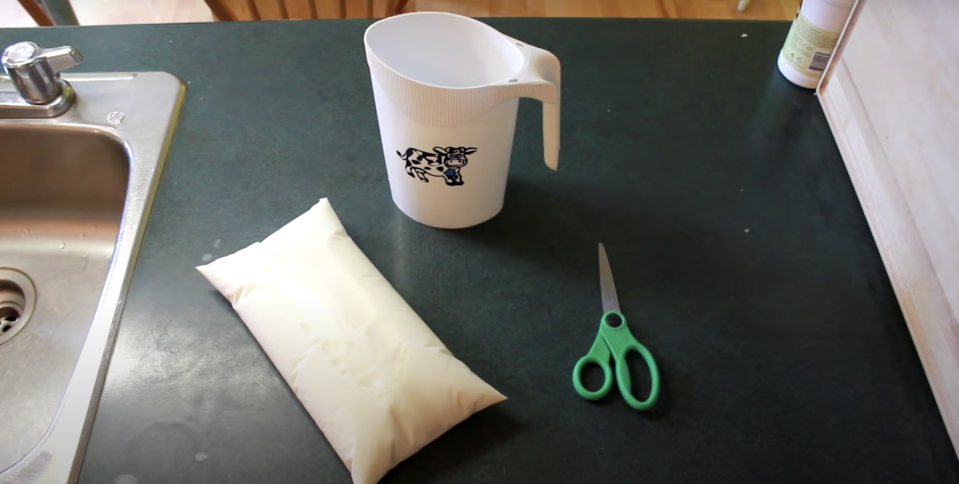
<point x="100" y="12"/>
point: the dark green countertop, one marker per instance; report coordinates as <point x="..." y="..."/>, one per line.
<point x="741" y="256"/>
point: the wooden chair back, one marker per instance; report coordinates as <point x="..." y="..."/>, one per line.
<point x="234" y="10"/>
<point x="37" y="12"/>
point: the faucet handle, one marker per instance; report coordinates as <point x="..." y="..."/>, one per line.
<point x="35" y="71"/>
<point x="61" y="58"/>
<point x="26" y="54"/>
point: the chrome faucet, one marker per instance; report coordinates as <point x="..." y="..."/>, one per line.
<point x="34" y="72"/>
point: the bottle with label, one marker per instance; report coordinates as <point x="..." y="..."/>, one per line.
<point x="812" y="39"/>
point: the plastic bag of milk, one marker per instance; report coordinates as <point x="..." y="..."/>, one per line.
<point x="372" y="375"/>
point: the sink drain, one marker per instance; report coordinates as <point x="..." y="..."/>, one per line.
<point x="17" y="299"/>
<point x="9" y="316"/>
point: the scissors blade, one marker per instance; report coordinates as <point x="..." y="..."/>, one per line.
<point x="608" y="288"/>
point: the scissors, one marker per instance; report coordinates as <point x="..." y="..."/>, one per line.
<point x="614" y="339"/>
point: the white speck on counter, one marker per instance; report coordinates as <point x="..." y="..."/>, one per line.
<point x="201" y="456"/>
<point x="207" y="257"/>
<point x="125" y="479"/>
<point x="216" y="244"/>
<point x="742" y="189"/>
<point x="609" y="110"/>
<point x="747" y="231"/>
<point x="171" y="41"/>
<point x="744" y="35"/>
<point x="63" y="245"/>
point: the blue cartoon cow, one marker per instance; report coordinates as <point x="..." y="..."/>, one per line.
<point x="443" y="162"/>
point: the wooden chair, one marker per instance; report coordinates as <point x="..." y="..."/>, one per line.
<point x="36" y="10"/>
<point x="233" y="10"/>
<point x="47" y="13"/>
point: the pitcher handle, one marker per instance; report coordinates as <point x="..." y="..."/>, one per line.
<point x="540" y="79"/>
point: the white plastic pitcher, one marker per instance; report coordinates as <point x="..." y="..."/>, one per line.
<point x="447" y="90"/>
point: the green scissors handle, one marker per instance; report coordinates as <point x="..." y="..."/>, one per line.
<point x="616" y="341"/>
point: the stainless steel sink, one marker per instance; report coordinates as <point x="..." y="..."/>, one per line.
<point x="75" y="191"/>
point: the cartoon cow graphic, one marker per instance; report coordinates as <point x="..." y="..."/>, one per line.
<point x="443" y="162"/>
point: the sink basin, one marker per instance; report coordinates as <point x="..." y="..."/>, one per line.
<point x="58" y="227"/>
<point x="75" y="196"/>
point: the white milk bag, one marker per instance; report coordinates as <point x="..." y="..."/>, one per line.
<point x="372" y="375"/>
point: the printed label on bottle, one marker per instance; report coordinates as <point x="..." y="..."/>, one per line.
<point x="808" y="47"/>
